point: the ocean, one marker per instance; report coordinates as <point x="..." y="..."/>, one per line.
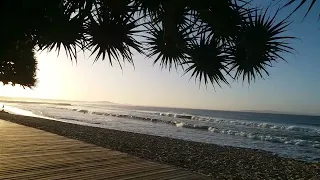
<point x="294" y="136"/>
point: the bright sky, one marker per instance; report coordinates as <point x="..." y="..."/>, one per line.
<point x="292" y="87"/>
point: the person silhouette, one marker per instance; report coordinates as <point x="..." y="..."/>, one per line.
<point x="2" y="107"/>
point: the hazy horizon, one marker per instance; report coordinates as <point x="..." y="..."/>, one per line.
<point x="24" y="99"/>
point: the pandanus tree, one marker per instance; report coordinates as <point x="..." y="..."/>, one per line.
<point x="209" y="40"/>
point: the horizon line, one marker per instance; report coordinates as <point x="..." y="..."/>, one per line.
<point x="159" y="106"/>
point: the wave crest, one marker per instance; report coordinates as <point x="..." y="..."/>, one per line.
<point x="254" y="136"/>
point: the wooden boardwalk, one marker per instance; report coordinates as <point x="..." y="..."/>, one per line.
<point x="28" y="153"/>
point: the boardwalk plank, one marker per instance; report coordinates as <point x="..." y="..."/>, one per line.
<point x="28" y="153"/>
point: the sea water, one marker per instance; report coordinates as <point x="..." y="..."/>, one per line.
<point x="295" y="136"/>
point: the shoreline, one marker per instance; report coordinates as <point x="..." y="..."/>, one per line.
<point x="220" y="162"/>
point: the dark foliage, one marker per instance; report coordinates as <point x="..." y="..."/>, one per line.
<point x="211" y="40"/>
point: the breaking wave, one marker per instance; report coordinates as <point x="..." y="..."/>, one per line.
<point x="178" y="123"/>
<point x="204" y="119"/>
<point x="242" y="123"/>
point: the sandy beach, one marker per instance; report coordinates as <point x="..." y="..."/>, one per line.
<point x="219" y="162"/>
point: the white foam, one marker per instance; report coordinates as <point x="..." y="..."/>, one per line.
<point x="211" y="120"/>
<point x="179" y="124"/>
<point x="316" y="145"/>
<point x="212" y="129"/>
<point x="22" y="112"/>
<point x="270" y="138"/>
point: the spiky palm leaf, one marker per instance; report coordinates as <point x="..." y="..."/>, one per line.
<point x="113" y="36"/>
<point x="169" y="49"/>
<point x="221" y="18"/>
<point x="24" y="18"/>
<point x="120" y="7"/>
<point x="81" y="7"/>
<point x="302" y="3"/>
<point x="259" y="44"/>
<point x="149" y="7"/>
<point x="110" y="27"/>
<point x="61" y="31"/>
<point x="208" y="61"/>
<point x="171" y="39"/>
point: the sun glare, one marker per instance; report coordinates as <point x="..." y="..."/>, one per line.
<point x="51" y="71"/>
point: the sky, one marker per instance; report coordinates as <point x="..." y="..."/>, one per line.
<point x="292" y="86"/>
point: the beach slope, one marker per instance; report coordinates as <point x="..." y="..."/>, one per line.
<point x="220" y="162"/>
